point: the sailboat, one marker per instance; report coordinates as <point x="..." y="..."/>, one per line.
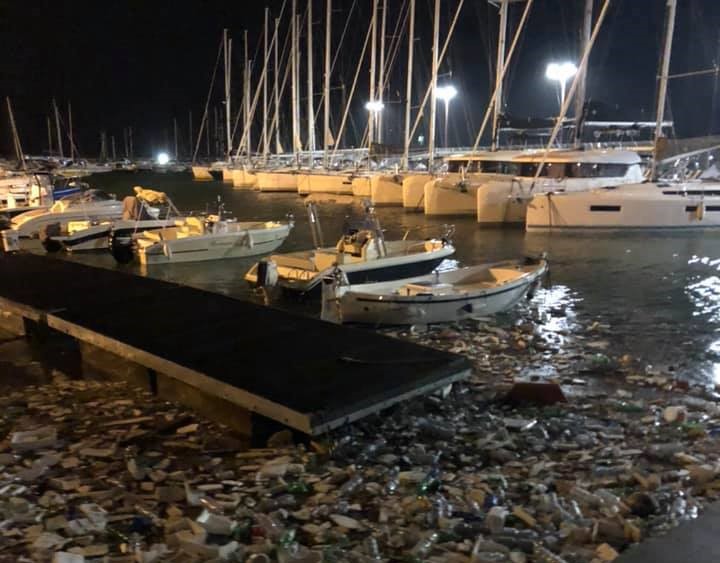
<point x="678" y="203"/>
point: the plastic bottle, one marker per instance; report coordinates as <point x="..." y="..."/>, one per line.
<point x="393" y="482"/>
<point x="351" y="485"/>
<point x="423" y="547"/>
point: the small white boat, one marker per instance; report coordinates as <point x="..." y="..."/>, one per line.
<point x="195" y="239"/>
<point x="436" y="298"/>
<point x="147" y="210"/>
<point x="362" y="254"/>
<point x="89" y="205"/>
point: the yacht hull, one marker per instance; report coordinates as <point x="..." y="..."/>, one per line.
<point x="324" y="183"/>
<point x="361" y="186"/>
<point x="386" y="189"/>
<point x="243" y="179"/>
<point x="201" y="173"/>
<point x="277" y="181"/>
<point x="413" y="191"/>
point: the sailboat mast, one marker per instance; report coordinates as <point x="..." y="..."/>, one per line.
<point x="130" y="139"/>
<point x="294" y="39"/>
<point x="502" y="38"/>
<point x="582" y="83"/>
<point x="112" y="144"/>
<point x="190" y="133"/>
<point x="70" y="132"/>
<point x="175" y="133"/>
<point x="310" y="105"/>
<point x="326" y="83"/>
<point x="57" y="129"/>
<point x="664" y="75"/>
<point x="16" y="138"/>
<point x="408" y="85"/>
<point x="381" y="73"/>
<point x="276" y="86"/>
<point x="227" y="46"/>
<point x="50" y="142"/>
<point x="248" y="71"/>
<point x="373" y="56"/>
<point x="266" y="140"/>
<point x="433" y="85"/>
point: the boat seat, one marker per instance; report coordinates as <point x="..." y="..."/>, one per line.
<point x="171" y="233"/>
<point x="411" y="289"/>
<point x="504" y="274"/>
<point x="325" y="260"/>
<point x="193" y="226"/>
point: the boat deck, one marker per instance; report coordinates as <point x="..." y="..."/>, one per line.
<point x="306" y="373"/>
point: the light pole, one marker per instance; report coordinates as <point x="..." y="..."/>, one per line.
<point x="561" y="72"/>
<point x="446" y="93"/>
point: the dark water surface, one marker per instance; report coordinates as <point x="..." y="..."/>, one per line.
<point x="659" y="291"/>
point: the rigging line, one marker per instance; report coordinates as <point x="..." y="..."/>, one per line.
<point x="258" y="89"/>
<point x="207" y="102"/>
<point x="352" y="92"/>
<point x="498" y="86"/>
<point x="571" y="93"/>
<point x="421" y="110"/>
<point x="338" y="49"/>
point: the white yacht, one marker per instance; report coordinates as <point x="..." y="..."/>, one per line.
<point x="649" y="205"/>
<point x="89" y="205"/>
<point x="496" y="186"/>
<point x="195" y="239"/>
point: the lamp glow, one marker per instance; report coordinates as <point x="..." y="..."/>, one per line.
<point x="446" y="93"/>
<point x="561" y="72"/>
<point x="163" y="158"/>
<point x="374" y="106"/>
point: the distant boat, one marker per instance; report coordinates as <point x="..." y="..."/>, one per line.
<point x="90" y="205"/>
<point x="439" y="297"/>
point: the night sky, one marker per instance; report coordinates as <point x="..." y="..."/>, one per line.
<point x="140" y="64"/>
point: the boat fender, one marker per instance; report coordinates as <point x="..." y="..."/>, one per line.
<point x="700" y="211"/>
<point x="47" y="234"/>
<point x="267" y="274"/>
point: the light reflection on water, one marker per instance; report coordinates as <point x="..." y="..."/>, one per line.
<point x="659" y="291"/>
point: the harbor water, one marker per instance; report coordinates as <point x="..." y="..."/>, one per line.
<point x="659" y="291"/>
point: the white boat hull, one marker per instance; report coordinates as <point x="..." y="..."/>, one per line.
<point x="640" y="206"/>
<point x="358" y="305"/>
<point x="413" y="191"/>
<point x="227" y="175"/>
<point x="324" y="183"/>
<point x="386" y="189"/>
<point x="96" y="237"/>
<point x="277" y="181"/>
<point x="241" y="244"/>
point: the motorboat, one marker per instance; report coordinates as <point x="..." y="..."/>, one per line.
<point x="439" y="297"/>
<point x="496" y="186"/>
<point x="649" y="205"/>
<point x="146" y="210"/>
<point x="88" y="205"/>
<point x="195" y="239"/>
<point x="362" y="254"/>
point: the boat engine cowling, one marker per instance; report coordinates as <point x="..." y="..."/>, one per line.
<point x="267" y="273"/>
<point x="47" y="234"/>
<point x="121" y="247"/>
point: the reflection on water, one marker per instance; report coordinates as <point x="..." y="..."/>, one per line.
<point x="658" y="291"/>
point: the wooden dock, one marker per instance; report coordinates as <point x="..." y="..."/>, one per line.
<point x="307" y="374"/>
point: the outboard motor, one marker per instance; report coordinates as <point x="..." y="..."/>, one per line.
<point x="47" y="234"/>
<point x="267" y="274"/>
<point x="121" y="247"/>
